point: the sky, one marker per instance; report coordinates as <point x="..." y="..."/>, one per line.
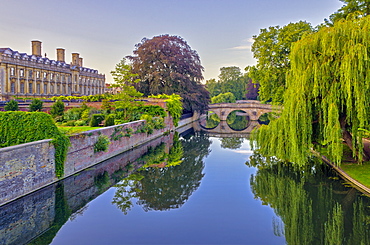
<point x="103" y="32"/>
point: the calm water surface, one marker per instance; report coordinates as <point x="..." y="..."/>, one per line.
<point x="221" y="209"/>
<point x="221" y="193"/>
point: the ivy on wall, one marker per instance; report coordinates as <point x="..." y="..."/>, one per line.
<point x="174" y="105"/>
<point x="18" y="127"/>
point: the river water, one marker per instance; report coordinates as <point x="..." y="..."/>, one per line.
<point x="191" y="188"/>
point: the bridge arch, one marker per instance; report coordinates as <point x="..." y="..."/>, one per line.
<point x="253" y="108"/>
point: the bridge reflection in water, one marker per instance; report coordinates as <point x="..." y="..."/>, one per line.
<point x="224" y="130"/>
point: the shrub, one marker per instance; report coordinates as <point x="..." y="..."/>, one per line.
<point x="109" y="121"/>
<point x="72" y="114"/>
<point x="80" y="123"/>
<point x="11" y="106"/>
<point x="101" y="144"/>
<point x="96" y="120"/>
<point x="36" y="105"/>
<point x="57" y="109"/>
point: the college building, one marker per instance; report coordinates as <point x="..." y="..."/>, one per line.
<point x="34" y="76"/>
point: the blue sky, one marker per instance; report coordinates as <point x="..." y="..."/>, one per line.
<point x="103" y="32"/>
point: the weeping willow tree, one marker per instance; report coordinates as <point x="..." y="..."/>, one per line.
<point x="327" y="96"/>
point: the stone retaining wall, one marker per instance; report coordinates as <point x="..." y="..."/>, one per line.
<point x="28" y="167"/>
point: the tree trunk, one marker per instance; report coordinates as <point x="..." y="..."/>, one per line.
<point x="347" y="137"/>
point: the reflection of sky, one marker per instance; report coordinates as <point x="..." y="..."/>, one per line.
<point x="222" y="211"/>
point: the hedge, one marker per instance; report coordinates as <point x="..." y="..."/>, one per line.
<point x="18" y="127"/>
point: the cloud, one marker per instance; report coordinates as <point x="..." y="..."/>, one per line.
<point x="242" y="47"/>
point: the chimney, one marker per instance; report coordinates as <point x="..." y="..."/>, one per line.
<point x="80" y="60"/>
<point x="61" y="54"/>
<point x="36" y="48"/>
<point x="75" y="59"/>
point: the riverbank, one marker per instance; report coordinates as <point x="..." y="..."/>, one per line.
<point x="355" y="183"/>
<point x="31" y="166"/>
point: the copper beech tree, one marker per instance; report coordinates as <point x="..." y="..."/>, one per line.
<point x="165" y="65"/>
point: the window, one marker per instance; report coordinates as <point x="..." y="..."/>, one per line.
<point x="12" y="87"/>
<point x="22" y="88"/>
<point x="21" y="73"/>
<point x="30" y="73"/>
<point x="45" y="75"/>
<point x="38" y="88"/>
<point x="37" y="74"/>
<point x="51" y="88"/>
<point x="30" y="88"/>
<point x="51" y="76"/>
<point x="12" y="71"/>
<point x="58" y="89"/>
<point x="45" y="88"/>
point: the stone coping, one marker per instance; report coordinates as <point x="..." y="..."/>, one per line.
<point x="13" y="147"/>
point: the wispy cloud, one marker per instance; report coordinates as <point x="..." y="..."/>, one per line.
<point x="242" y="47"/>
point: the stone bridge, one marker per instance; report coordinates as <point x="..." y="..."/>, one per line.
<point x="224" y="130"/>
<point x="254" y="109"/>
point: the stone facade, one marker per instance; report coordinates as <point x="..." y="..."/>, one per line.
<point x="23" y="75"/>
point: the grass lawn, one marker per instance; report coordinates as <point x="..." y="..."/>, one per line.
<point x="75" y="129"/>
<point x="361" y="173"/>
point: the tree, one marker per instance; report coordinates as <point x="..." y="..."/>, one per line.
<point x="125" y="80"/>
<point x="57" y="109"/>
<point x="36" y="105"/>
<point x="252" y="89"/>
<point x="224" y="98"/>
<point x="271" y="48"/>
<point x="166" y="64"/>
<point x="213" y="87"/>
<point x="230" y="80"/>
<point x="358" y="8"/>
<point x="327" y="96"/>
<point x="12" y="105"/>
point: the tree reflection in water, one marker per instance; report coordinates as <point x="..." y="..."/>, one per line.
<point x="314" y="208"/>
<point x="237" y="122"/>
<point x="168" y="187"/>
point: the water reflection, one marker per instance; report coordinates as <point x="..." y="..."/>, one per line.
<point x="314" y="207"/>
<point x="237" y="120"/>
<point x="162" y="185"/>
<point x="232" y="142"/>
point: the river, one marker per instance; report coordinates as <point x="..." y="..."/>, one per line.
<point x="191" y="188"/>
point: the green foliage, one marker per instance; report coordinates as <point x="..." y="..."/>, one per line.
<point x="89" y="98"/>
<point x="23" y="127"/>
<point x="109" y="120"/>
<point x="271" y="48"/>
<point x="174" y="105"/>
<point x="96" y="120"/>
<point x="123" y="76"/>
<point x="57" y="109"/>
<point x="152" y="123"/>
<point x="230" y="80"/>
<point x="101" y="144"/>
<point x="327" y="98"/>
<point x="36" y="105"/>
<point x="72" y="114"/>
<point x="12" y="105"/>
<point x="351" y="8"/>
<point x="224" y="98"/>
